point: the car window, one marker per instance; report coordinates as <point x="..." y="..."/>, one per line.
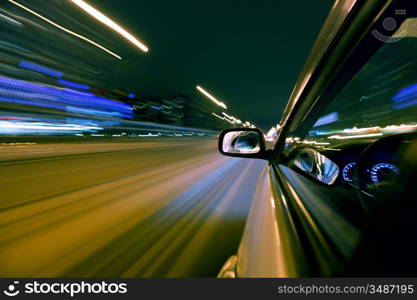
<point x="381" y="99"/>
<point x="368" y="129"/>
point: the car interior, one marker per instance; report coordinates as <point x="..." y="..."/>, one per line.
<point x="354" y="151"/>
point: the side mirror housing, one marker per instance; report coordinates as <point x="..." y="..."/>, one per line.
<point x="243" y="142"/>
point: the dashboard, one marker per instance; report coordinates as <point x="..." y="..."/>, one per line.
<point x="374" y="167"/>
<point x="379" y="169"/>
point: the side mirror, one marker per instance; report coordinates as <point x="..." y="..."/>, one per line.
<point x="243" y="142"/>
<point x="316" y="165"/>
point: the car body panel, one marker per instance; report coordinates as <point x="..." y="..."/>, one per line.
<point x="270" y="246"/>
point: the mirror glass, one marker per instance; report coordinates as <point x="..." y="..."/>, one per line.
<point x="243" y="142"/>
<point x="317" y="165"/>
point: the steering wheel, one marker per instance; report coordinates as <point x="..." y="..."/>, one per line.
<point x="387" y="245"/>
<point x="372" y="194"/>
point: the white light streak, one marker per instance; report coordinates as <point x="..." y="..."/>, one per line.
<point x="342" y="137"/>
<point x="227" y="116"/>
<point x="110" y="23"/>
<point x="307" y="142"/>
<point x="65" y="29"/>
<point x="13" y="127"/>
<point x="205" y="93"/>
<point x="10" y="20"/>
<point x="216" y="115"/>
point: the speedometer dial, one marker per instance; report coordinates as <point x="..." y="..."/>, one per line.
<point x="348" y="172"/>
<point x="384" y="172"/>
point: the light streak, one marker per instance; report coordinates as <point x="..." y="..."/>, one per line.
<point x="74" y="84"/>
<point x="209" y="96"/>
<point x="40" y="69"/>
<point x="342" y="137"/>
<point x="110" y="23"/>
<point x="65" y="29"/>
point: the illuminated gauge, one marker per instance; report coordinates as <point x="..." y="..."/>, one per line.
<point x="383" y="172"/>
<point x="348" y="171"/>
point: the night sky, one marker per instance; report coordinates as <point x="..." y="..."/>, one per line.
<point x="246" y="53"/>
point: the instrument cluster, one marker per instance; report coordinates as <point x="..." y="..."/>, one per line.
<point x="379" y="172"/>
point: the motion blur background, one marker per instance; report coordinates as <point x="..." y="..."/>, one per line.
<point x="108" y="160"/>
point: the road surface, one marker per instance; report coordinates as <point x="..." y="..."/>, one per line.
<point x="168" y="207"/>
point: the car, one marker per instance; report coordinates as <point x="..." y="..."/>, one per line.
<point x="339" y="195"/>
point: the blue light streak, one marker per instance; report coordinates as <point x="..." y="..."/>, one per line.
<point x="74" y="84"/>
<point x="408" y="103"/>
<point x="406" y="93"/>
<point x="40" y="69"/>
<point x="327" y="119"/>
<point x="405" y="97"/>
<point x="33" y="94"/>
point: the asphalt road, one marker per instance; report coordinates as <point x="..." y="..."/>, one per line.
<point x="169" y="207"/>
